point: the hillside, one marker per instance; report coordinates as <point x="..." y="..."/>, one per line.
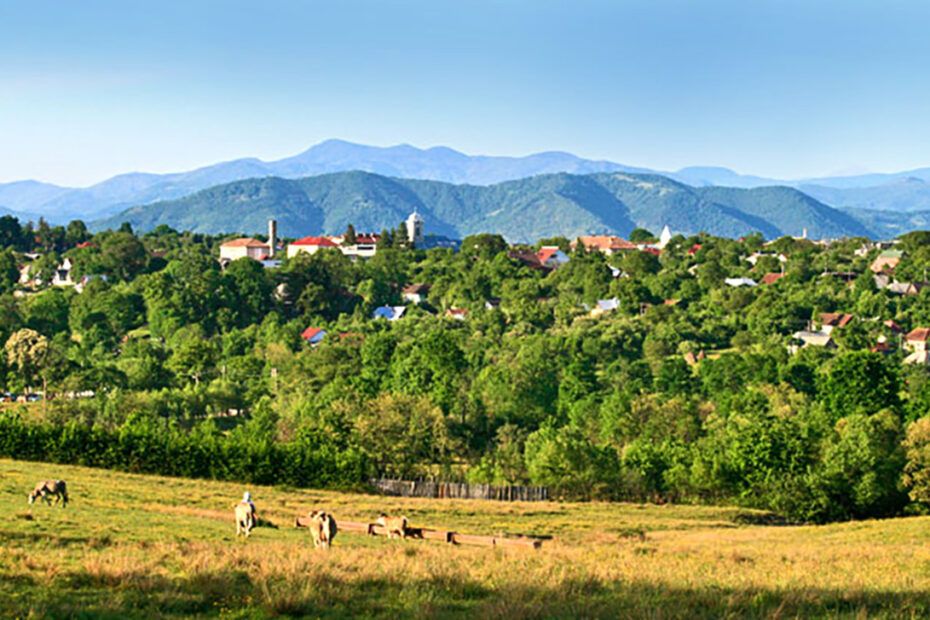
<point x="522" y="210"/>
<point x="132" y="546"/>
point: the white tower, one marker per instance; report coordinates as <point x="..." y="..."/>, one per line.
<point x="272" y="237"/>
<point x="664" y="238"/>
<point x="414" y="225"/>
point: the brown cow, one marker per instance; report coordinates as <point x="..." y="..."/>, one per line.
<point x="47" y="488"/>
<point x="395" y="526"/>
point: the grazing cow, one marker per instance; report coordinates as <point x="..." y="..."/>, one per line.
<point x="47" y="488"/>
<point x="322" y="528"/>
<point x="395" y="526"/>
<point x="245" y="518"/>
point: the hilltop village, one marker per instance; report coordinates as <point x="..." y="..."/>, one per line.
<point x="657" y="366"/>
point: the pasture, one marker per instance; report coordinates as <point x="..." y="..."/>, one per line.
<point x="145" y="546"/>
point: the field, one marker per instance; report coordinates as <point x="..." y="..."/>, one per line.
<point x="145" y="546"/>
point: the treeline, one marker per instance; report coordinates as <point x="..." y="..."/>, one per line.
<point x="529" y="388"/>
<point x="142" y="445"/>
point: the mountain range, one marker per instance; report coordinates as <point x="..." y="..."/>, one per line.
<point x="876" y="203"/>
<point x="521" y="210"/>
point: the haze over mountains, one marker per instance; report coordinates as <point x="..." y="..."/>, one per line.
<point x="522" y="210"/>
<point x="873" y="204"/>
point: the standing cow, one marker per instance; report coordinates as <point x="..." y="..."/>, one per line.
<point x="394" y="526"/>
<point x="245" y="515"/>
<point x="48" y="488"/>
<point x="322" y="528"/>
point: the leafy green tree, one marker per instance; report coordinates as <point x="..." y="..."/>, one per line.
<point x="9" y="271"/>
<point x="28" y="352"/>
<point x="641" y="235"/>
<point x="859" y="382"/>
<point x="917" y="467"/>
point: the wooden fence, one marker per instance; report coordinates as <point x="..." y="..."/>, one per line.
<point x="426" y="533"/>
<point x="460" y="490"/>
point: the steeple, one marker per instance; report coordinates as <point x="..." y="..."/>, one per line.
<point x="414" y="226"/>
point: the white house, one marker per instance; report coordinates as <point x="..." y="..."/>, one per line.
<point x="737" y="282"/>
<point x="664" y="237"/>
<point x="415" y="293"/>
<point x="310" y="245"/>
<point x="244" y="247"/>
<point x="604" y="306"/>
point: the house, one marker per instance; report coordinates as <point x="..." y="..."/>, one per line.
<point x="415" y="293"/>
<point x="753" y="258"/>
<point x="834" y="320"/>
<point x="390" y="313"/>
<point x="894" y="327"/>
<point x="459" y="314"/>
<point x="814" y="339"/>
<point x="916" y="343"/>
<point x="737" y="282"/>
<point x="310" y="245"/>
<point x="528" y="259"/>
<point x="313" y="335"/>
<point x="886" y="261"/>
<point x="905" y="288"/>
<point x="693" y="359"/>
<point x="694" y="249"/>
<point x="492" y="303"/>
<point x="551" y="256"/>
<point x="606" y="244"/>
<point x="365" y="246"/>
<point x="604" y="306"/>
<point x="62" y="275"/>
<point x="244" y="247"/>
<point x="771" y="278"/>
<point x="849" y="277"/>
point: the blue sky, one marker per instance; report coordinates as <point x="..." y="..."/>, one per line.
<point x="779" y="88"/>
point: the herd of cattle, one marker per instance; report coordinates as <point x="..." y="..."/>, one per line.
<point x="321" y="524"/>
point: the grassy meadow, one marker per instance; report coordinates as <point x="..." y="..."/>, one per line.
<point x="146" y="546"/>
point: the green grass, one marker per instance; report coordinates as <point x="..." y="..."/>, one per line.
<point x="145" y="546"/>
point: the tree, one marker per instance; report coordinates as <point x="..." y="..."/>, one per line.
<point x="11" y="234"/>
<point x="917" y="467"/>
<point x="859" y="382"/>
<point x="350" y="238"/>
<point x="27" y="351"/>
<point x="641" y="235"/>
<point x="9" y="272"/>
<point x="404" y="436"/>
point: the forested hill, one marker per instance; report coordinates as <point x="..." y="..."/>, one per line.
<point x="522" y="210"/>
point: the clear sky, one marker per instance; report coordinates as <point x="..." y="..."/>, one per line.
<point x="778" y="88"/>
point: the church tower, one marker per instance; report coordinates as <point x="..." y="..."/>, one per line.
<point x="414" y="225"/>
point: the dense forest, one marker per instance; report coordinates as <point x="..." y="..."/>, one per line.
<point x="677" y="387"/>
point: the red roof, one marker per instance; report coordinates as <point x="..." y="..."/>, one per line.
<point x="920" y="334"/>
<point x="85" y="244"/>
<point x="545" y="253"/>
<point x="771" y="278"/>
<point x="893" y="326"/>
<point x="245" y="242"/>
<point x="370" y="239"/>
<point x="654" y="251"/>
<point x="605" y="242"/>
<point x="694" y="249"/>
<point x="311" y="332"/>
<point x="835" y="319"/>
<point x="322" y="242"/>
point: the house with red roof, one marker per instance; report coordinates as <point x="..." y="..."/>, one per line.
<point x="415" y="293"/>
<point x="313" y="335"/>
<point x="771" y="278"/>
<point x="606" y="244"/>
<point x="551" y="256"/>
<point x="310" y="245"/>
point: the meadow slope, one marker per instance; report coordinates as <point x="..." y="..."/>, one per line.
<point x="146" y="546"/>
